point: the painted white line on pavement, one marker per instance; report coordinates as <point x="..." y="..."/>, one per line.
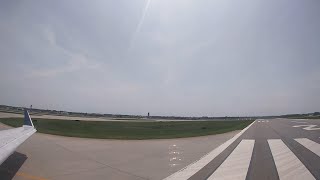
<point x="237" y="164"/>
<point x="308" y="127"/>
<point x="288" y="165"/>
<point x="311" y="145"/>
<point x="300" y="119"/>
<point x="299" y="122"/>
<point x="193" y="168"/>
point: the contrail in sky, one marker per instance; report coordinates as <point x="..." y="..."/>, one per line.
<point x="140" y="24"/>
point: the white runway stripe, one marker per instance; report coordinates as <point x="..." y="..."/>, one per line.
<point x="237" y="164"/>
<point x="288" y="165"/>
<point x="299" y="122"/>
<point x="193" y="168"/>
<point x="311" y="145"/>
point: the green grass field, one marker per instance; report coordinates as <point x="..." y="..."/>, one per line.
<point x="130" y="130"/>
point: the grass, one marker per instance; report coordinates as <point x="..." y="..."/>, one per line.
<point x="130" y="130"/>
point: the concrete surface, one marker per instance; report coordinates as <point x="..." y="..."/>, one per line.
<point x="283" y="149"/>
<point x="52" y="157"/>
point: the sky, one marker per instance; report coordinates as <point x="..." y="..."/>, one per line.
<point x="166" y="57"/>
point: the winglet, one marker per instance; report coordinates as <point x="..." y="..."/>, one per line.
<point x="27" y="119"/>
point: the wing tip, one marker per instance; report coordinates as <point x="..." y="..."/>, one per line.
<point x="27" y="118"/>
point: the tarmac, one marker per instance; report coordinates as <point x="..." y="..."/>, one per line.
<point x="268" y="149"/>
<point x="50" y="157"/>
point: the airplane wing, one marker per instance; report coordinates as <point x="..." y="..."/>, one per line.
<point x="10" y="139"/>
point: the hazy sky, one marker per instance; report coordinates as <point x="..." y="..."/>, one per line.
<point x="168" y="57"/>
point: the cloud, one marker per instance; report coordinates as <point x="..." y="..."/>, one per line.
<point x="74" y="61"/>
<point x="187" y="57"/>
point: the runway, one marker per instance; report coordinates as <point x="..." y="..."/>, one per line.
<point x="267" y="149"/>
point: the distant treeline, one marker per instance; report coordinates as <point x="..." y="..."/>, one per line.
<point x="35" y="111"/>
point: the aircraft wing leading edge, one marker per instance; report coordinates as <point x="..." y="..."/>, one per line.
<point x="10" y="139"/>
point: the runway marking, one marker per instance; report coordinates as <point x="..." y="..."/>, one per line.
<point x="308" y="127"/>
<point x="311" y="145"/>
<point x="264" y="121"/>
<point x="287" y="164"/>
<point x="28" y="176"/>
<point x="237" y="164"/>
<point x="193" y="168"/>
<point x="299" y="122"/>
<point x="174" y="155"/>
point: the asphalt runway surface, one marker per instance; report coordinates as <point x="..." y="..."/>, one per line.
<point x="267" y="149"/>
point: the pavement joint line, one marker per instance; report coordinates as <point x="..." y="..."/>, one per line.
<point x="194" y="167"/>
